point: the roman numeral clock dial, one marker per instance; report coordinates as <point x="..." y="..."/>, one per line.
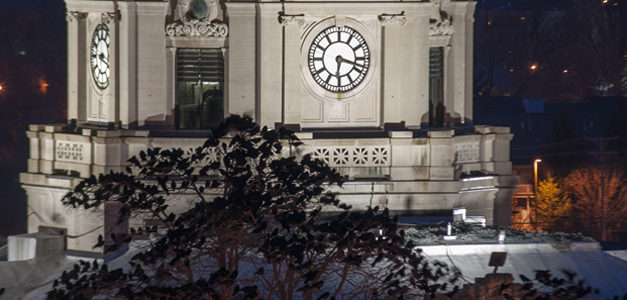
<point x="339" y="59"/>
<point x="99" y="56"/>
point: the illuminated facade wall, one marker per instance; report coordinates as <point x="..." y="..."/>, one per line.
<point x="354" y="78"/>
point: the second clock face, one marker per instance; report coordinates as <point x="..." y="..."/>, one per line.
<point x="100" y="56"/>
<point x="338" y="59"/>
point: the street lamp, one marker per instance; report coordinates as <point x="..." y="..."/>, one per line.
<point x="535" y="176"/>
<point x="534" y="69"/>
<point x="535" y="191"/>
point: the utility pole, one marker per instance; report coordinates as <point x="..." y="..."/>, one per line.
<point x="601" y="156"/>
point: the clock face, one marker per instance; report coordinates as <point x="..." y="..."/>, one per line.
<point x="339" y="59"/>
<point x="100" y="56"/>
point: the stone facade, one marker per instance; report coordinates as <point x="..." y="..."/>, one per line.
<point x="383" y="132"/>
<point x="265" y="47"/>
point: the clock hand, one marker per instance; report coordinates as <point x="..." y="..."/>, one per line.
<point x="350" y="62"/>
<point x="102" y="58"/>
<point x="339" y="59"/>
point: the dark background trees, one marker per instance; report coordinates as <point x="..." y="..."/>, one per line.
<point x="576" y="49"/>
<point x="32" y="76"/>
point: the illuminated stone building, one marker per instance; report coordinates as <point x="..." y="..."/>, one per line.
<point x="381" y="90"/>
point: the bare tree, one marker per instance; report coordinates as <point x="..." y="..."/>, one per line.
<point x="591" y="189"/>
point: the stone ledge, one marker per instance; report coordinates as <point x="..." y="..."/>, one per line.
<point x="49" y="180"/>
<point x="35" y="127"/>
<point x="401" y="134"/>
<point x="485" y="129"/>
<point x="53" y="128"/>
<point x="441" y="133"/>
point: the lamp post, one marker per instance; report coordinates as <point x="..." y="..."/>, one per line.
<point x="535" y="176"/>
<point x="533" y="68"/>
<point x="535" y="192"/>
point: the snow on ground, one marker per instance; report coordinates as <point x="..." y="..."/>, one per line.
<point x="31" y="279"/>
<point x="622" y="254"/>
<point x="526" y="252"/>
<point x="469" y="252"/>
<point x="598" y="269"/>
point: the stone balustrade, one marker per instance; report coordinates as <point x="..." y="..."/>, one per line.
<point x="411" y="171"/>
<point x="396" y="155"/>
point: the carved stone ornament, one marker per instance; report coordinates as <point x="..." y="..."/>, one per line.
<point x="197" y="18"/>
<point x="393" y="19"/>
<point x="72" y="16"/>
<point x="440" y="22"/>
<point x="197" y="9"/>
<point x="292" y="19"/>
<point x="197" y="28"/>
<point x="108" y="17"/>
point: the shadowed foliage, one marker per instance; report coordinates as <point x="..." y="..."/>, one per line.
<point x="263" y="224"/>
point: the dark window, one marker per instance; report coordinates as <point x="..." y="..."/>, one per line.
<point x="199" y="88"/>
<point x="521" y="202"/>
<point x="436" y="86"/>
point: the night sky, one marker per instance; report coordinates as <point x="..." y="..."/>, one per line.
<point x="32" y="75"/>
<point x="33" y="72"/>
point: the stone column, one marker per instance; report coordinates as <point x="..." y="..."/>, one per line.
<point x="409" y="156"/>
<point x="495" y="149"/>
<point x="76" y="65"/>
<point x="170" y="56"/>
<point x="462" y="57"/>
<point x="391" y="62"/>
<point x="148" y="87"/>
<point x="112" y="103"/>
<point x="292" y="78"/>
<point x="269" y="40"/>
<point x="242" y="61"/>
<point x="33" y="142"/>
<point x="127" y="81"/>
<point x="441" y="155"/>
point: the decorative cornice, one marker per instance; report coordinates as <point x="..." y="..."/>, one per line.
<point x="393" y="19"/>
<point x="197" y="18"/>
<point x="200" y="28"/>
<point x="72" y="16"/>
<point x="285" y="19"/>
<point x="440" y="22"/>
<point x="443" y="26"/>
<point x="108" y="17"/>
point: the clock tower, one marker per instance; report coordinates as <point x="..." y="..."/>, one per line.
<point x="380" y="90"/>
